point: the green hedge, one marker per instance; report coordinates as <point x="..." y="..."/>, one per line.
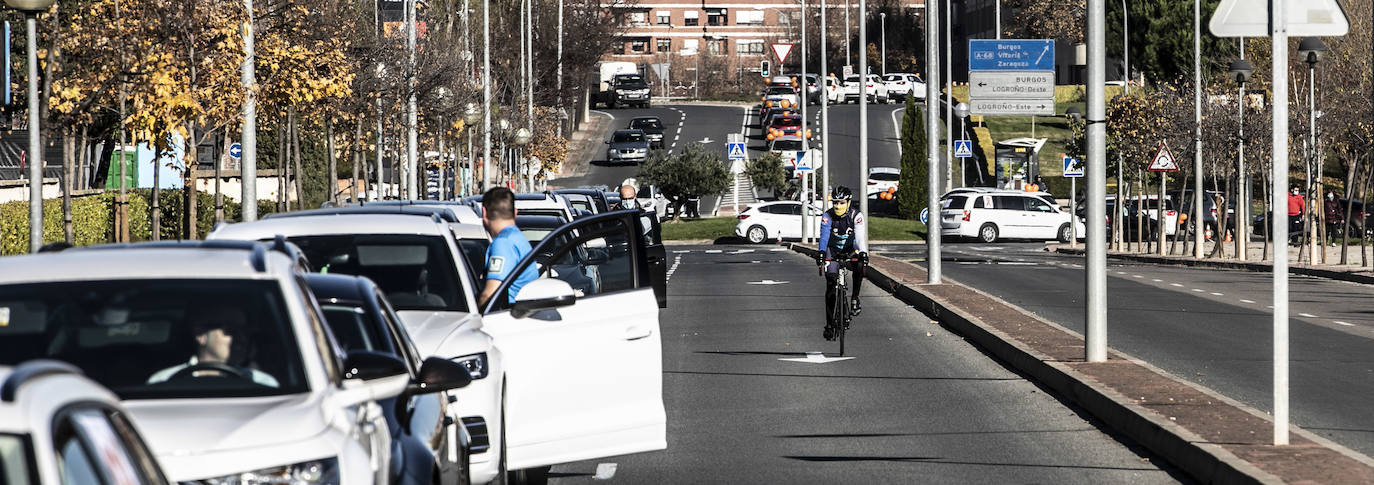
<point x="93" y="218"/>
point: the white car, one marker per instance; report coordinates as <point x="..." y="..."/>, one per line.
<point x="544" y="204"/>
<point x="536" y="408"/>
<point x="880" y="179"/>
<point x="901" y="85"/>
<point x="877" y="91"/>
<point x="218" y="350"/>
<point x="989" y="216"/>
<point x="775" y="220"/>
<point x="56" y="426"/>
<point x="834" y="90"/>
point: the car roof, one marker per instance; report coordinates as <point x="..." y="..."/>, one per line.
<point x="637" y="118"/>
<point x="413" y="210"/>
<point x="43" y="387"/>
<point x="617" y="132"/>
<point x="542" y="222"/>
<point x="174" y="260"/>
<point x="329" y="224"/>
<point x="461" y="209"/>
<point x="337" y="286"/>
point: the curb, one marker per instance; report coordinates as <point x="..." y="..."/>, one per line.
<point x="1206" y="462"/>
<point x="1240" y="265"/>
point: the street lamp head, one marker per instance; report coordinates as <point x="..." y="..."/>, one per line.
<point x="1311" y="49"/>
<point x="1073" y="112"/>
<point x="522" y="136"/>
<point x="471" y="114"/>
<point x="503" y="125"/>
<point x="1240" y="70"/>
<point x="29" y="6"/>
<point x="961" y="110"/>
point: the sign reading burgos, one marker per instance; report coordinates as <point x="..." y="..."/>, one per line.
<point x="1011" y="77"/>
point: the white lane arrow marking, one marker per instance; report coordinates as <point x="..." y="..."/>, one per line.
<point x="605" y="471"/>
<point x="706" y="140"/>
<point x="816" y="358"/>
<point x="768" y="282"/>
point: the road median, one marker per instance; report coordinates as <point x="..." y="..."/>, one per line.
<point x="1212" y="438"/>
<point x="1346" y="273"/>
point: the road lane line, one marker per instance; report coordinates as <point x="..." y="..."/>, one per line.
<point x="1157" y="280"/>
<point x="1176" y="284"/>
<point x="1137" y="276"/>
<point x="605" y="471"/>
<point x="1308" y="315"/>
<point x="1199" y="290"/>
<point x="1242" y="300"/>
<point x="1338" y="322"/>
<point x="1216" y="294"/>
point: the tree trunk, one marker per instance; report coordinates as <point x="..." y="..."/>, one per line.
<point x="282" y="199"/>
<point x="157" y="196"/>
<point x="296" y="154"/>
<point x="68" y="156"/>
<point x="333" y="184"/>
<point x="219" y="177"/>
<point x="1269" y="219"/>
<point x="191" y="206"/>
<point x="358" y="160"/>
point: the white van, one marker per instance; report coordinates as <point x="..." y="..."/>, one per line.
<point x="993" y="215"/>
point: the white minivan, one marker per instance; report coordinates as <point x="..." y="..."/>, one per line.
<point x="989" y="216"/>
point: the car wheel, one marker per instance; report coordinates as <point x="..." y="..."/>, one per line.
<point x="987" y="234"/>
<point x="757" y="234"/>
<point x="1065" y="233"/>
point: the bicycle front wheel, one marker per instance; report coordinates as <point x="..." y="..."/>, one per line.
<point x="843" y="306"/>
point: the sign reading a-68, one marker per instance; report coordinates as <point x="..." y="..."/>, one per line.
<point x="1011" y="55"/>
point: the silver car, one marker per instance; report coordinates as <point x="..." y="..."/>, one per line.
<point x="627" y="146"/>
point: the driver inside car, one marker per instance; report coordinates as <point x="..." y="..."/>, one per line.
<point x="214" y="327"/>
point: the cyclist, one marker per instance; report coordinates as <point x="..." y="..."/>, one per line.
<point x="841" y="231"/>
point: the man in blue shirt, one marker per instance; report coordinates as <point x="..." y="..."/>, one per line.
<point x="508" y="245"/>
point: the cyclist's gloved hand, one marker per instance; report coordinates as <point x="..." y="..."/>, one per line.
<point x="863" y="256"/>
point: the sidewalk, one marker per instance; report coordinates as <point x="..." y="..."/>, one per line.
<point x="1355" y="270"/>
<point x="1212" y="438"/>
<point x="584" y="146"/>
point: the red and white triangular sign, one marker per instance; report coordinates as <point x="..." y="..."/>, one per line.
<point x="1164" y="160"/>
<point x="781" y="51"/>
<point x="1306" y="18"/>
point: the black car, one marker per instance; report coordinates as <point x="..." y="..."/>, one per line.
<point x="423" y="434"/>
<point x="652" y="128"/>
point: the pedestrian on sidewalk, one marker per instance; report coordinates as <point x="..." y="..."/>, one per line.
<point x="1296" y="203"/>
<point x="1335" y="218"/>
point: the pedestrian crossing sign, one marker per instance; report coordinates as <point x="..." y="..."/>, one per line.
<point x="963" y="148"/>
<point x="1073" y="167"/>
<point x="735" y="151"/>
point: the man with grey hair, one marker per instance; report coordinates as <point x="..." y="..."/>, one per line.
<point x="627" y="198"/>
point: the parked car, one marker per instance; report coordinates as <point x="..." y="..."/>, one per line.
<point x="775" y="220"/>
<point x="590" y="200"/>
<point x="813" y="89"/>
<point x="880" y="179"/>
<point x="215" y="328"/>
<point x="627" y="146"/>
<point x="991" y="216"/>
<point x="423" y="447"/>
<point x="877" y="91"/>
<point x="834" y="90"/>
<point x="901" y="85"/>
<point x="544" y="204"/>
<point x="652" y="128"/>
<point x="57" y="427"/>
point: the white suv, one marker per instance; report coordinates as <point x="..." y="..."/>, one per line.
<point x="220" y="352"/>
<point x="901" y="85"/>
<point x="59" y="427"/>
<point x="537" y="408"/>
<point x="877" y="91"/>
<point x="994" y="215"/>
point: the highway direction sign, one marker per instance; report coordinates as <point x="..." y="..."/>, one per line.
<point x="1011" y="55"/>
<point x="1012" y="107"/>
<point x="963" y="148"/>
<point x="735" y="151"/>
<point x="1011" y="85"/>
<point x="1164" y="160"/>
<point x="1073" y="167"/>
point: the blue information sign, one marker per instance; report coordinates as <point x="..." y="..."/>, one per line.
<point x="1010" y="55"/>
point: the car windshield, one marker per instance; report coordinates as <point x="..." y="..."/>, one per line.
<point x="643" y="123"/>
<point x="158" y="339"/>
<point x="788" y="121"/>
<point x="893" y="77"/>
<point x="883" y="176"/>
<point x="627" y="137"/>
<point x="781" y="90"/>
<point x="629" y="79"/>
<point x="784" y="145"/>
<point x="415" y="271"/>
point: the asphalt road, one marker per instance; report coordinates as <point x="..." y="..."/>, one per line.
<point x="915" y="404"/>
<point x="1209" y="326"/>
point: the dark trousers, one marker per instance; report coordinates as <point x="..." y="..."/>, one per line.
<point x="832" y="271"/>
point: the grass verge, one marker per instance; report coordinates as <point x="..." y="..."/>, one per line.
<point x="879" y="229"/>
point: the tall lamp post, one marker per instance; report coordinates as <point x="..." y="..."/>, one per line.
<point x="1240" y="71"/>
<point x="471" y="115"/>
<point x="1311" y="49"/>
<point x="961" y="112"/>
<point x="248" y="160"/>
<point x="31" y="9"/>
<point x="524" y="179"/>
<point x="882" y="23"/>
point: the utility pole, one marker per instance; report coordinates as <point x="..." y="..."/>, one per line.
<point x="883" y="24"/>
<point x="486" y="95"/>
<point x="949" y="103"/>
<point x="847" y="33"/>
<point x="1125" y="48"/>
<point x="412" y="112"/>
<point x="862" y="190"/>
<point x="248" y="159"/>
<point x="1279" y="179"/>
<point x="932" y="19"/>
<point x="1199" y="222"/>
<point x="806" y="135"/>
<point x="1095" y="345"/>
<point x="824" y="80"/>
<point x="561" y="110"/>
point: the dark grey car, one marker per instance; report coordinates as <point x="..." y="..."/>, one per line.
<point x="627" y="146"/>
<point x="652" y="128"/>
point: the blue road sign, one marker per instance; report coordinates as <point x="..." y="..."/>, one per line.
<point x="1073" y="167"/>
<point x="236" y="150"/>
<point x="735" y="151"/>
<point x="1010" y="55"/>
<point x="925" y="215"/>
<point x="963" y="148"/>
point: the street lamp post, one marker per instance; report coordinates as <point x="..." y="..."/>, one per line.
<point x="1311" y="49"/>
<point x="248" y="160"/>
<point x="961" y="112"/>
<point x="31" y="9"/>
<point x="412" y="111"/>
<point x="471" y="115"/>
<point x="882" y="22"/>
<point x="932" y="128"/>
<point x="1240" y="71"/>
<point x="524" y="179"/>
<point x="823" y="78"/>
<point x="1199" y="222"/>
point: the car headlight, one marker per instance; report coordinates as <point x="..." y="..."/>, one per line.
<point x="476" y="364"/>
<point x="324" y="470"/>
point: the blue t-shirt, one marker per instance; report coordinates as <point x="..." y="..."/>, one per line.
<point x="505" y="251"/>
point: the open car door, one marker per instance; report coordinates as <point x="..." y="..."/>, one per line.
<point x="583" y="367"/>
<point x="657" y="256"/>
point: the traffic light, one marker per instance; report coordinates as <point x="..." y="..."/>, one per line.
<point x="763" y="68"/>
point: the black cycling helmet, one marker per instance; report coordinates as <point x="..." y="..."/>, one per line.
<point x="841" y="193"/>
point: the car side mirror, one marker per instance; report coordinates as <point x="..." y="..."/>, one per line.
<point x="439" y="374"/>
<point x="542" y="294"/>
<point x="367" y="365"/>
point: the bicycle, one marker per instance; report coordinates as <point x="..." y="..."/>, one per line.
<point x="842" y="312"/>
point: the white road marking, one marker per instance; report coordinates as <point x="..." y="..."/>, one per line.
<point x="1216" y="294"/>
<point x="1157" y="280"/>
<point x="769" y="282"/>
<point x="1120" y="272"/>
<point x="1338" y="322"/>
<point x="742" y="251"/>
<point x="1199" y="290"/>
<point x="775" y="250"/>
<point x="713" y="251"/>
<point x="605" y="471"/>
<point x="685" y="251"/>
<point x="1242" y="300"/>
<point x="1136" y="276"/>
<point x="676" y="261"/>
<point x="816" y="358"/>
<point x="1308" y="315"/>
<point x="896" y="127"/>
<point x="1176" y="284"/>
